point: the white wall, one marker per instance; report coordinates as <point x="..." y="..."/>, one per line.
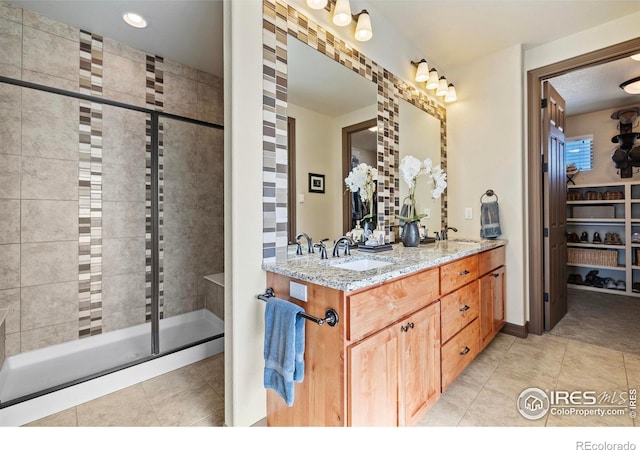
<point x="485" y="151"/>
<point x="603" y="128"/>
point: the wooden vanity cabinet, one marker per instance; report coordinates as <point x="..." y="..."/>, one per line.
<point x="394" y="375"/>
<point x="492" y="283"/>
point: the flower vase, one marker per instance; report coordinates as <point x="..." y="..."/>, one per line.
<point x="410" y="234"/>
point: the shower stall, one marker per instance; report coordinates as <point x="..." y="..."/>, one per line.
<point x="111" y="230"/>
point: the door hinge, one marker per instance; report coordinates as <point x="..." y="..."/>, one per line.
<point x="545" y="232"/>
<point x="543" y="103"/>
<point x="545" y="167"/>
<point x="545" y="297"/>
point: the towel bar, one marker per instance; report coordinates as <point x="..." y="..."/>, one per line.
<point x="330" y="316"/>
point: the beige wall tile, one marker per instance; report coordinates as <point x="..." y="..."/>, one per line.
<point x="210" y="104"/>
<point x="45" y="104"/>
<point x="123" y="319"/>
<point x="123" y="183"/>
<point x="181" y="187"/>
<point x="46" y="53"/>
<point x="49" y="220"/>
<point x="10" y="221"/>
<point x="49" y="262"/>
<point x="2" y="342"/>
<point x="49" y="179"/>
<point x="12" y="344"/>
<point x="9" y="176"/>
<point x="123" y="219"/>
<point x="124" y="98"/>
<point x="10" y="12"/>
<point x="123" y="137"/>
<point x="182" y="70"/>
<point x="50" y="335"/>
<point x="123" y="293"/>
<point x="124" y="75"/>
<point x="180" y="95"/>
<point x="10" y="266"/>
<point x="48" y="137"/>
<point x="124" y="50"/>
<point x="9" y="71"/>
<point x="33" y="76"/>
<point x="10" y="299"/>
<point x="48" y="304"/>
<point x="10" y="125"/>
<point x="10" y="43"/>
<point x="123" y="256"/>
<point x="42" y="23"/>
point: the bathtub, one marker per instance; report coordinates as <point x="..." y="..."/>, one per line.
<point x="56" y="365"/>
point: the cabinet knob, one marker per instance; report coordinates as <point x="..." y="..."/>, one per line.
<point x="465" y="272"/>
<point x="406" y="327"/>
<point x="465" y="308"/>
<point x="495" y="275"/>
<point x="465" y="351"/>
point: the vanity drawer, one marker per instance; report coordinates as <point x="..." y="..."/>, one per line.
<point x="459" y="352"/>
<point x="373" y="309"/>
<point x="458" y="273"/>
<point x="490" y="260"/>
<point x="458" y="309"/>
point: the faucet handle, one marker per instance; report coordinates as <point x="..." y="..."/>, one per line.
<point x="322" y="247"/>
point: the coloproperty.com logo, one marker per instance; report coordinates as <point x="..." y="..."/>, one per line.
<point x="534" y="403"/>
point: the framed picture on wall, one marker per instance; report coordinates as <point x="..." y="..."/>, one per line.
<point x="316" y="183"/>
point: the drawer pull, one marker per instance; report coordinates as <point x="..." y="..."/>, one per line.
<point x="495" y="275"/>
<point x="465" y="308"/>
<point x="465" y="272"/>
<point x="465" y="351"/>
<point x="406" y="327"/>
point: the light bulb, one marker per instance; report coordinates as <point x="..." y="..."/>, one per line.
<point x="442" y="87"/>
<point x="433" y="79"/>
<point x="422" y="73"/>
<point x="363" y="28"/>
<point x="134" y="19"/>
<point x="451" y="94"/>
<point x="316" y="4"/>
<point x="342" y="13"/>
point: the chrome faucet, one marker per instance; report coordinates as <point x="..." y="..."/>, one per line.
<point x="444" y="233"/>
<point x="336" y="246"/>
<point x="309" y="243"/>
<point x="322" y="248"/>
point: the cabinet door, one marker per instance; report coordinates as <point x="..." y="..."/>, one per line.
<point x="492" y="304"/>
<point x="499" y="298"/>
<point x="419" y="364"/>
<point x="373" y="379"/>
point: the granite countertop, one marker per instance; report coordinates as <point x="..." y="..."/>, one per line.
<point x="404" y="260"/>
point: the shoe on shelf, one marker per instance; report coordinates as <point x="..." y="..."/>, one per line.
<point x="590" y="279"/>
<point x="635" y="287"/>
<point x="578" y="279"/>
<point x="608" y="240"/>
<point x="621" y="286"/>
<point x="615" y="238"/>
<point x="596" y="238"/>
<point x="611" y="284"/>
<point x="598" y="282"/>
<point x="584" y="237"/>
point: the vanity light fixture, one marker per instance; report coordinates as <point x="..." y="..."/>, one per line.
<point x="363" y="26"/>
<point x="631" y="86"/>
<point x="342" y="13"/>
<point x="443" y="87"/>
<point x="433" y="82"/>
<point x="451" y="94"/>
<point x="134" y="19"/>
<point x="422" y="73"/>
<point x="317" y="4"/>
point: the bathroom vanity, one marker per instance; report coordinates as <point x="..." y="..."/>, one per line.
<point x="410" y="321"/>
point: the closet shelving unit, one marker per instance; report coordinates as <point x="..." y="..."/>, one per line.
<point x="626" y="222"/>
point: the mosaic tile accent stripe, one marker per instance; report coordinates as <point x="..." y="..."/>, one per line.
<point x="90" y="188"/>
<point x="279" y="21"/>
<point x="154" y="100"/>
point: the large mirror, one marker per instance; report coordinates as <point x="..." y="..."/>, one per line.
<point x="419" y="136"/>
<point x="326" y="98"/>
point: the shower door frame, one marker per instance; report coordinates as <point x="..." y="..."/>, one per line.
<point x="155" y="228"/>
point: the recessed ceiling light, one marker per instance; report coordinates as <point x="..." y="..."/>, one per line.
<point x="134" y="19"/>
<point x="631" y="86"/>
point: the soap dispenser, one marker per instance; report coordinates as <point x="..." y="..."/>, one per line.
<point x="358" y="232"/>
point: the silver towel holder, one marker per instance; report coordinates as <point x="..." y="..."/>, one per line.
<point x="489" y="193"/>
<point x="330" y="316"/>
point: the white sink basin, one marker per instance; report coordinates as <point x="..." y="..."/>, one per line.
<point x="362" y="264"/>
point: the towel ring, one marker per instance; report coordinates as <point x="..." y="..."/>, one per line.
<point x="489" y="193"/>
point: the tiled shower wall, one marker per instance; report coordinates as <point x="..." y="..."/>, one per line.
<point x="73" y="194"/>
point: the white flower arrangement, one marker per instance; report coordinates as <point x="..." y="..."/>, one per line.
<point x="410" y="168"/>
<point x="362" y="179"/>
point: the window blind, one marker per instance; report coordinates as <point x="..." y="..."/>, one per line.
<point x="579" y="151"/>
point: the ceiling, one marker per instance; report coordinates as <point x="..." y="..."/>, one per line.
<point x="449" y="33"/>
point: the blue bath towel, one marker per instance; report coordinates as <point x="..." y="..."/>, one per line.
<point x="283" y="347"/>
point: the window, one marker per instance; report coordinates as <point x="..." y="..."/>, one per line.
<point x="579" y="151"/>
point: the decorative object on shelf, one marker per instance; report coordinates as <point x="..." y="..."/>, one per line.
<point x="584" y="237"/>
<point x="362" y="180"/>
<point x="596" y="238"/>
<point x="572" y="171"/>
<point x="316" y="183"/>
<point x="625" y="157"/>
<point x="489" y="217"/>
<point x="573" y="196"/>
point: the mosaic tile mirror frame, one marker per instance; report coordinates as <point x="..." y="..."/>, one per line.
<point x="279" y="21"/>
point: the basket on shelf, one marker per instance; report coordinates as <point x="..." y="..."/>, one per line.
<point x="592" y="257"/>
<point x="574" y="196"/>
<point x="613" y="195"/>
<point x="593" y="195"/>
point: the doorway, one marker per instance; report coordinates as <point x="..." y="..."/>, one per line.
<point x="536" y="204"/>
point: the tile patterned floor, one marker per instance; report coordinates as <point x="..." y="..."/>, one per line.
<point x="485" y="394"/>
